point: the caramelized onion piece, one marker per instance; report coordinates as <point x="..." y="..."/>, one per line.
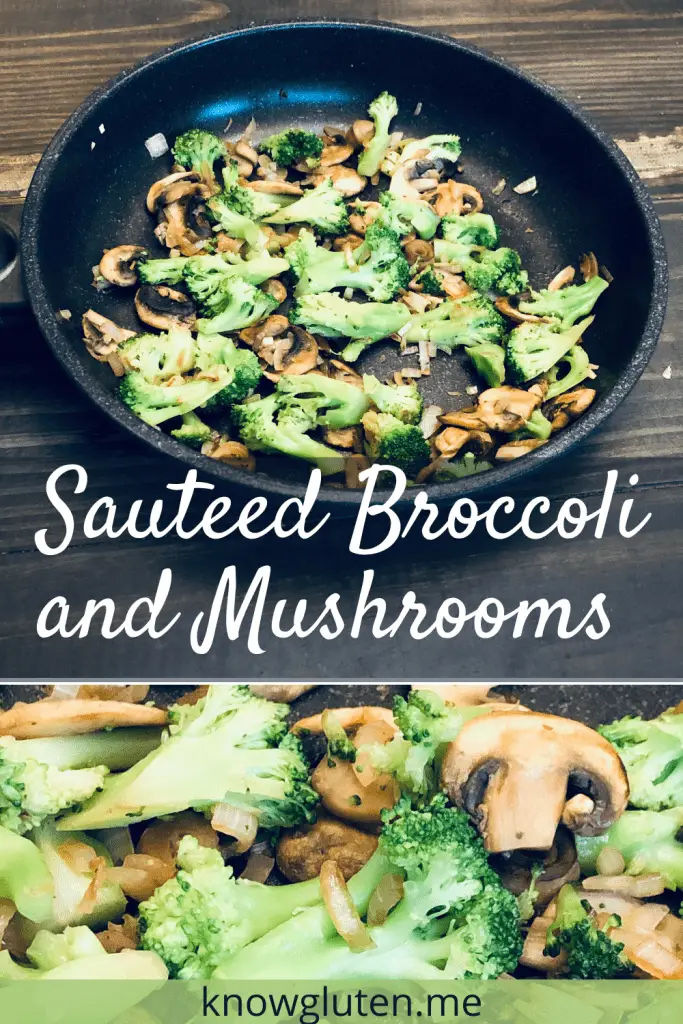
<point x="258" y="868"/>
<point x="140" y="875"/>
<point x="234" y="822"/>
<point x="342" y="909"/>
<point x="388" y="893"/>
<point x="638" y="886"/>
<point x="120" y="936"/>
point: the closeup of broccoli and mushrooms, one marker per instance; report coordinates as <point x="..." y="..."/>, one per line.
<point x="291" y="257"/>
<point x="453" y="836"/>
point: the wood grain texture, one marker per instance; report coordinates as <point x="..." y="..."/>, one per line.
<point x="622" y="60"/>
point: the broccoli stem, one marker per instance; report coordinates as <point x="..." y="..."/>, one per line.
<point x="118" y="749"/>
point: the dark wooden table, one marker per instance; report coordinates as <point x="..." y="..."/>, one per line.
<point x="622" y="59"/>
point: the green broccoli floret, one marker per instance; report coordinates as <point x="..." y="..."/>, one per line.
<point x="334" y="317"/>
<point x="78" y="955"/>
<point x="337" y="403"/>
<point x="247" y="201"/>
<point x="322" y="206"/>
<point x="403" y="401"/>
<point x="431" y="281"/>
<point x="485" y="270"/>
<point x="198" y="150"/>
<point x="455" y="920"/>
<point x="31" y="791"/>
<point x="472" y="320"/>
<point x="234" y="209"/>
<point x="399" y="444"/>
<point x="193" y="431"/>
<point x="25" y="878"/>
<point x="208" y="278"/>
<point x="204" y="914"/>
<point x="532" y="349"/>
<point x="489" y="362"/>
<point x="238" y="367"/>
<point x="233" y="749"/>
<point x="652" y="754"/>
<point x="158" y="357"/>
<point x="567" y="304"/>
<point x="238" y="304"/>
<point x="591" y="954"/>
<point x="406" y="215"/>
<point x="339" y="746"/>
<point x="426" y="725"/>
<point x="526" y="901"/>
<point x="648" y="842"/>
<point x="380" y="269"/>
<point x="156" y="403"/>
<point x="264" y="426"/>
<point x="382" y="110"/>
<point x="536" y="426"/>
<point x="579" y="368"/>
<point x="292" y="146"/>
<point x="165" y="271"/>
<point x="470" y="229"/>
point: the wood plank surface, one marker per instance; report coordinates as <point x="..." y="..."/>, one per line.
<point x="623" y="62"/>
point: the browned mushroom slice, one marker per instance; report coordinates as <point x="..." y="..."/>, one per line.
<point x="347" y="242"/>
<point x="560" y="866"/>
<point x="300" y="854"/>
<point x="479" y="443"/>
<point x="361" y="132"/>
<point x="451" y="440"/>
<point x="277" y="187"/>
<point x="119" y="265"/>
<point x="247" y="152"/>
<point x="295" y="353"/>
<point x="345" y="437"/>
<point x="512" y="450"/>
<point x="234" y="453"/>
<point x="564" y="408"/>
<point x="505" y="408"/>
<point x="272" y="327"/>
<point x="343" y="795"/>
<point x="465" y="418"/>
<point x="563" y="277"/>
<point x="276" y="289"/>
<point x="164" y="307"/>
<point x="102" y="337"/>
<point x="589" y="266"/>
<point x="156" y="196"/>
<point x="416" y="250"/>
<point x="345" y="179"/>
<point x="285" y="692"/>
<point x="336" y="154"/>
<point x="511" y="772"/>
<point x="186" y="225"/>
<point x="503" y="305"/>
<point x="74" y="717"/>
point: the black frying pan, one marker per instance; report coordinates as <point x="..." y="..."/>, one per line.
<point x="83" y="199"/>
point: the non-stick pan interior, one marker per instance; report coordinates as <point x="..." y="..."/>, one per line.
<point x="91" y="192"/>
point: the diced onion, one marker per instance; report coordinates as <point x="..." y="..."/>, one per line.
<point x="259" y="867"/>
<point x="7" y="912"/>
<point x="649" y="955"/>
<point x="388" y="893"/>
<point x="64" y="691"/>
<point x="133" y="693"/>
<point x="156" y="145"/>
<point x="429" y="424"/>
<point x="646" y="918"/>
<point x="78" y="856"/>
<point x="528" y="185"/>
<point x="638" y="886"/>
<point x="423" y="355"/>
<point x="140" y="875"/>
<point x="233" y="821"/>
<point x="671" y="927"/>
<point x="342" y="909"/>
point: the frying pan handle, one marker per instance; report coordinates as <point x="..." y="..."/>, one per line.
<point x="12" y="292"/>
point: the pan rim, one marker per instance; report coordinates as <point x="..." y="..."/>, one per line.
<point x="341" y="501"/>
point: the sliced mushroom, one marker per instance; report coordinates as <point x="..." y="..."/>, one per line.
<point x="276" y="188"/>
<point x="300" y="854"/>
<point x="347" y="242"/>
<point x="563" y="277"/>
<point x="234" y="453"/>
<point x="564" y="408"/>
<point x="589" y="266"/>
<point x="512" y="772"/>
<point x="74" y="717"/>
<point x="164" y="307"/>
<point x="246" y="151"/>
<point x="119" y="265"/>
<point x="296" y="353"/>
<point x="505" y="408"/>
<point x="560" y="865"/>
<point x="276" y="289"/>
<point x="468" y="419"/>
<point x="512" y="450"/>
<point x="479" y="443"/>
<point x="451" y="440"/>
<point x="187" y="227"/>
<point x="345" y="179"/>
<point x="102" y="337"/>
<point x="284" y="692"/>
<point x="346" y="437"/>
<point x="156" y="196"/>
<point x="504" y="305"/>
<point x="349" y="718"/>
<point x="271" y="328"/>
<point x="361" y="132"/>
<point x="417" y="250"/>
<point x="456" y="197"/>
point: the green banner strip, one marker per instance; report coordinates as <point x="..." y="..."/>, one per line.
<point x="505" y="1001"/>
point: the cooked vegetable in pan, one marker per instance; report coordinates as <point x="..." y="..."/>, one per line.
<point x="287" y="258"/>
<point x="454" y="836"/>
